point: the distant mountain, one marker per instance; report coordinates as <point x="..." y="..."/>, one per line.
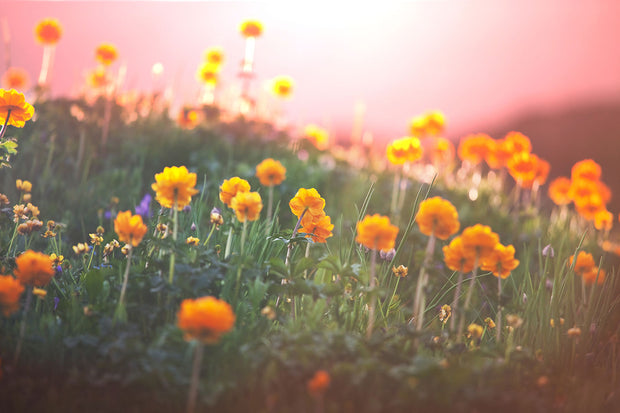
<point x="566" y="136"/>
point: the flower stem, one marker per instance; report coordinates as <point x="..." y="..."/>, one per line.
<point x="6" y="122"/>
<point x="228" y="243"/>
<point x="193" y="387"/>
<point x="470" y="291"/>
<point x="455" y="300"/>
<point x="243" y="235"/>
<point x="498" y="324"/>
<point x="125" y="278"/>
<point x="175" y="231"/>
<point x="22" y="328"/>
<point x="209" y="236"/>
<point x="269" y="210"/>
<point x="373" y="297"/>
<point x="419" y="302"/>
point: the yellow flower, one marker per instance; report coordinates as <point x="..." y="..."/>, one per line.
<point x="317" y="228"/>
<point x="318" y="136"/>
<point x="106" y="53"/>
<point x="307" y="200"/>
<point x="34" y="268"/>
<point x="214" y="55"/>
<point x="474" y="331"/>
<point x="208" y="73"/>
<point x="231" y="187"/>
<point x="205" y="319"/>
<point x="174" y="185"/>
<point x="13" y="106"/>
<point x="479" y="241"/>
<point x="251" y="28"/>
<point x="39" y="292"/>
<point x="193" y="241"/>
<point x="81" y="248"/>
<point x="23" y="186"/>
<point x="439" y="217"/>
<point x="501" y="261"/>
<point x="129" y="228"/>
<point x="407" y="149"/>
<point x="429" y="124"/>
<point x="444" y="313"/>
<point x="48" y="31"/>
<point x="400" y="271"/>
<point x="489" y="322"/>
<point x="282" y="86"/>
<point x="270" y="172"/>
<point x="376" y="232"/>
<point x="574" y="332"/>
<point x="247" y="206"/>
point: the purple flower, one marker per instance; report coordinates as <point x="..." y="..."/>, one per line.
<point x="56" y="301"/>
<point x="144" y="208"/>
<point x="548" y="251"/>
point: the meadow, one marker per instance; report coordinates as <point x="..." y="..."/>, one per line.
<point x="215" y="261"/>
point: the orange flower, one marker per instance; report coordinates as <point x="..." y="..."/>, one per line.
<point x="14" y="106"/>
<point x="586" y="169"/>
<point x="439" y="217"/>
<point x="307" y="200"/>
<point x="376" y="232"/>
<point x="501" y="261"/>
<point x="474" y="148"/>
<point x="270" y="172"/>
<point x="523" y="167"/>
<point x="10" y="291"/>
<point x="318" y="383"/>
<point x="559" y="191"/>
<point x="583" y="264"/>
<point x="428" y="124"/>
<point x="251" y="28"/>
<point x="595" y="275"/>
<point x="34" y="268"/>
<point x="174" y="184"/>
<point x="98" y="78"/>
<point x="106" y="54"/>
<point x="208" y="73"/>
<point x="479" y="241"/>
<point x="317" y="228"/>
<point x="603" y="220"/>
<point x="317" y="135"/>
<point x="282" y="86"/>
<point x="590" y="205"/>
<point x="455" y="257"/>
<point x="130" y="228"/>
<point x="188" y="118"/>
<point x="516" y="142"/>
<point x="48" y="31"/>
<point x="440" y="151"/>
<point x="247" y="206"/>
<point x="15" y="78"/>
<point x="231" y="187"/>
<point x="407" y="149"/>
<point x="500" y="151"/>
<point x="214" y="56"/>
<point x="205" y="319"/>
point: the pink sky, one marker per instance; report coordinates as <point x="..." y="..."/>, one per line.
<point x="477" y="61"/>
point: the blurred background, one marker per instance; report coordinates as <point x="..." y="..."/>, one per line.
<point x="548" y="69"/>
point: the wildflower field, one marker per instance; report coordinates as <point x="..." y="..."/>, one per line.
<point x="215" y="260"/>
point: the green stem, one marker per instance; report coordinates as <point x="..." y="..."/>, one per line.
<point x="269" y="209"/>
<point x="209" y="236"/>
<point x="6" y="122"/>
<point x="228" y="242"/>
<point x="470" y="291"/>
<point x="498" y="324"/>
<point x="243" y="235"/>
<point x="125" y="277"/>
<point x="175" y="231"/>
<point x="22" y="328"/>
<point x="419" y="302"/>
<point x="193" y="387"/>
<point x="455" y="300"/>
<point x="387" y="311"/>
<point x="373" y="297"/>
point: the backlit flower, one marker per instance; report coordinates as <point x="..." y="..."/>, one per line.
<point x="574" y="332"/>
<point x="270" y="172"/>
<point x="208" y="73"/>
<point x="603" y="220"/>
<point x="589" y="206"/>
<point x="500" y="151"/>
<point x="129" y="228"/>
<point x="10" y="292"/>
<point x="282" y="86"/>
<point x="444" y="313"/>
<point x="14" y="106"/>
<point x="406" y="149"/>
<point x="428" y="124"/>
<point x="15" y="78"/>
<point x="516" y="142"/>
<point x="594" y="275"/>
<point x="400" y="271"/>
<point x="318" y="383"/>
<point x="317" y="228"/>
<point x="489" y="322"/>
<point x="376" y="232"/>
<point x="188" y="118"/>
<point x="439" y="151"/>
<point x="214" y="55"/>
<point x="205" y="319"/>
<point x="34" y="268"/>
<point x="230" y="188"/>
<point x="193" y="241"/>
<point x="559" y="191"/>
<point x="247" y="206"/>
<point x="307" y="200"/>
<point x="251" y="28"/>
<point x="81" y="248"/>
<point x="586" y="169"/>
<point x="317" y="135"/>
<point x="174" y="185"/>
<point x="523" y="167"/>
<point x="583" y="264"/>
<point x="474" y="148"/>
<point x="23" y="186"/>
<point x="106" y="53"/>
<point x="455" y="257"/>
<point x="439" y="217"/>
<point x="48" y="31"/>
<point x="98" y="78"/>
<point x="479" y="241"/>
<point x="501" y="261"/>
<point x="474" y="331"/>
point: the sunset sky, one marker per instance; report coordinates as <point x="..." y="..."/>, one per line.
<point x="480" y="62"/>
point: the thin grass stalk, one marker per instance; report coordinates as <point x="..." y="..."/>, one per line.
<point x="373" y="297"/>
<point x="22" y="327"/>
<point x="470" y="291"/>
<point x="269" y="209"/>
<point x="175" y="231"/>
<point x="455" y="300"/>
<point x="193" y="387"/>
<point x="498" y="323"/>
<point x="395" y="193"/>
<point x="6" y="122"/>
<point x="121" y="300"/>
<point x="419" y="301"/>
